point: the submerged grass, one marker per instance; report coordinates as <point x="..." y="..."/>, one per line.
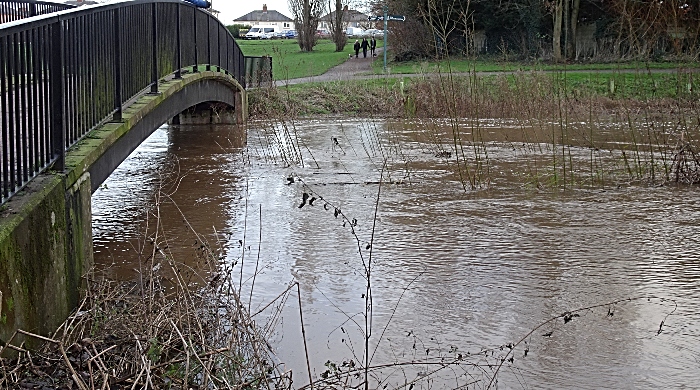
<point x="649" y="118"/>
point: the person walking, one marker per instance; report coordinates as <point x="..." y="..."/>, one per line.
<point x="364" y="47"/>
<point x="373" y="46"/>
<point x="357" y="48"/>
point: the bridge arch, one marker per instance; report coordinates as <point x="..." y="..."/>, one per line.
<point x="80" y="89"/>
<point x="64" y="74"/>
<point x="112" y="143"/>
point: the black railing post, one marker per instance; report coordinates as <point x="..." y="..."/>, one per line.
<point x="178" y="72"/>
<point x="228" y="55"/>
<point x="195" y="68"/>
<point x="208" y="42"/>
<point x="32" y="8"/>
<point x="58" y="138"/>
<point x="4" y="88"/>
<point x="154" y="42"/>
<point x="218" y="49"/>
<point x="117" y="117"/>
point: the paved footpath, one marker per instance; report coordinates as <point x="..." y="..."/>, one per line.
<point x="353" y="68"/>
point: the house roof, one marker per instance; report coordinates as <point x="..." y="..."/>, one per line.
<point x="350" y="15"/>
<point x="261" y="16"/>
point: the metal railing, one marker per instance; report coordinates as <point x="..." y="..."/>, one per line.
<point x="65" y="74"/>
<point x="11" y="10"/>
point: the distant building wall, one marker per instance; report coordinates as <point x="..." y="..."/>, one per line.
<point x="267" y="17"/>
<point x="283" y="25"/>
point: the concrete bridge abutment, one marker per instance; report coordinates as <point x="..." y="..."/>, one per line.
<point x="46" y="248"/>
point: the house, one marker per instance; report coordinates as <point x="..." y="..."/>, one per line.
<point x="352" y="17"/>
<point x="267" y="17"/>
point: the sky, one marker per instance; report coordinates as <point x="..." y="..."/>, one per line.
<point x="232" y="9"/>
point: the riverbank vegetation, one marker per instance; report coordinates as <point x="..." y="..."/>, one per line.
<point x="497" y="64"/>
<point x="405" y="96"/>
<point x="174" y="326"/>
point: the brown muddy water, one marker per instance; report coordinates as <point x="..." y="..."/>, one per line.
<point x="454" y="272"/>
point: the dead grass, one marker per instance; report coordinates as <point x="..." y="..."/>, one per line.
<point x="173" y="327"/>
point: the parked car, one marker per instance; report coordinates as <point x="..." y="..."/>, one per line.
<point x="261" y="32"/>
<point x="354" y="32"/>
<point x="323" y="33"/>
<point x="373" y="32"/>
<point x="290" y="34"/>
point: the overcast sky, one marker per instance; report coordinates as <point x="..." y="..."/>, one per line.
<point x="232" y="9"/>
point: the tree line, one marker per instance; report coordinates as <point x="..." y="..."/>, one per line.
<point x="558" y="30"/>
<point x="555" y="30"/>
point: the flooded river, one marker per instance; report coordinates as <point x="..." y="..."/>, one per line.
<point x="454" y="273"/>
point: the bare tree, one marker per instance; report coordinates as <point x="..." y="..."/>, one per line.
<point x="558" y="13"/>
<point x="565" y="18"/>
<point x="307" y="14"/>
<point x="437" y="15"/>
<point x="338" y="21"/>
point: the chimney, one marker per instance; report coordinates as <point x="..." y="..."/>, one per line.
<point x="264" y="8"/>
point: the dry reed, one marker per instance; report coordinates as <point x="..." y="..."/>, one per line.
<point x="175" y="327"/>
<point x="123" y="336"/>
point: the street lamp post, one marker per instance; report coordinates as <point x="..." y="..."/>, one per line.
<point x="386" y="18"/>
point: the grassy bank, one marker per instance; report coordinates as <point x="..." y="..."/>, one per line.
<point x="288" y="62"/>
<point x="430" y="94"/>
<point x="458" y="65"/>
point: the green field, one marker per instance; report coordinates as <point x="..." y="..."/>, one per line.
<point x="289" y="62"/>
<point x="461" y="65"/>
<point x="618" y="80"/>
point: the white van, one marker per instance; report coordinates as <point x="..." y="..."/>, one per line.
<point x="262" y="32"/>
<point x="354" y="32"/>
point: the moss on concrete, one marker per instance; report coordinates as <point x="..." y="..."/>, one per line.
<point x="32" y="252"/>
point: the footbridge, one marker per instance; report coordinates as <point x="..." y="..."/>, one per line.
<point x="80" y="89"/>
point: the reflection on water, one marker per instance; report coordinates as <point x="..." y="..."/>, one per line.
<point x="453" y="272"/>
